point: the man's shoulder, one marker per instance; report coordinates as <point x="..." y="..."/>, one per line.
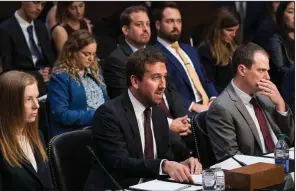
<point x="223" y="101"/>
<point x="6" y="24"/>
<point x="117" y="53"/>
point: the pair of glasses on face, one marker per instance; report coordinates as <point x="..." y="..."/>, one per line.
<point x="88" y="54"/>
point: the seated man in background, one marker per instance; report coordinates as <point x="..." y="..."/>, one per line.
<point x="131" y="134"/>
<point x="135" y="25"/>
<point x="250" y="114"/>
<point x="183" y="61"/>
<point x="25" y="44"/>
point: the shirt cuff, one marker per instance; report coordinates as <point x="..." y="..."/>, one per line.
<point x="214" y="97"/>
<point x="170" y="121"/>
<point x="189" y="109"/>
<point x="285" y="114"/>
<point x="160" y="167"/>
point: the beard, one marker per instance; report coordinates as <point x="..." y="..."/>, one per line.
<point x="170" y="37"/>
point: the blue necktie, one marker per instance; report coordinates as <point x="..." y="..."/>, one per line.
<point x="34" y="48"/>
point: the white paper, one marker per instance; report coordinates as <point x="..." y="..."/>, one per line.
<point x="230" y="164"/>
<point x="197" y="178"/>
<point x="291" y="154"/>
<point x="159" y="185"/>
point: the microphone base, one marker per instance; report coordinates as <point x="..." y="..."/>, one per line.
<point x="256" y="176"/>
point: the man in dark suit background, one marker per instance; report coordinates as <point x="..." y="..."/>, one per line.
<point x="250" y="114"/>
<point x="135" y="25"/>
<point x="25" y="44"/>
<point x="183" y="61"/>
<point x="130" y="132"/>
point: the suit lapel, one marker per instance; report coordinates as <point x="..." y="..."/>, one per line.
<point x="40" y="37"/>
<point x="244" y="112"/>
<point x="157" y="129"/>
<point x="20" y="39"/>
<point x="175" y="61"/>
<point x="28" y="166"/>
<point x="131" y="117"/>
<point x="126" y="49"/>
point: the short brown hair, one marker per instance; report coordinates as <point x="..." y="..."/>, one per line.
<point x="245" y="55"/>
<point x="125" y="17"/>
<point x="157" y="12"/>
<point x="136" y="62"/>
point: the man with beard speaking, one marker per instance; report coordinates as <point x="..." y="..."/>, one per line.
<point x="183" y="61"/>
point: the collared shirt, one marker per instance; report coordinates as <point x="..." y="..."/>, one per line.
<point x="134" y="49"/>
<point x="94" y="93"/>
<point x="246" y="98"/>
<point x="26" y="148"/>
<point x="139" y="109"/>
<point x="168" y="46"/>
<point x="24" y="25"/>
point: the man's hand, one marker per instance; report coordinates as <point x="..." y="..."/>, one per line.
<point x="177" y="171"/>
<point x="45" y="72"/>
<point x="181" y="126"/>
<point x="196" y="107"/>
<point x="193" y="164"/>
<point x="270" y="90"/>
<point x="211" y="101"/>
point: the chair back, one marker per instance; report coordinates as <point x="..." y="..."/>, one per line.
<point x="69" y="160"/>
<point x="207" y="157"/>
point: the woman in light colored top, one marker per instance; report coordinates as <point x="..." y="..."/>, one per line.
<point x="69" y="18"/>
<point x="77" y="87"/>
<point x="23" y="159"/>
<point x="216" y="51"/>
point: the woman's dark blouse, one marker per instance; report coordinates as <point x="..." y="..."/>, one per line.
<point x="220" y="75"/>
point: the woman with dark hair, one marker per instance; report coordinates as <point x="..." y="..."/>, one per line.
<point x="267" y="26"/>
<point x="77" y="87"/>
<point x="281" y="46"/>
<point x="23" y="159"/>
<point x="70" y="18"/>
<point x="216" y="51"/>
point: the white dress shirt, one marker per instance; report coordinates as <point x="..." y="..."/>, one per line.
<point x="246" y="101"/>
<point x="24" y="25"/>
<point x="25" y="146"/>
<point x="139" y="109"/>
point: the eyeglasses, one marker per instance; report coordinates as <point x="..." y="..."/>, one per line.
<point x="88" y="54"/>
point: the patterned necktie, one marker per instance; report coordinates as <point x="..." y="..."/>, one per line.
<point x="263" y="125"/>
<point x="148" y="151"/>
<point x="34" y="48"/>
<point x="192" y="74"/>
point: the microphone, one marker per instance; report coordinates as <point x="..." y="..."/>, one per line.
<point x="112" y="179"/>
<point x="203" y="132"/>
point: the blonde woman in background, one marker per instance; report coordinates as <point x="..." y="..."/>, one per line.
<point x="77" y="87"/>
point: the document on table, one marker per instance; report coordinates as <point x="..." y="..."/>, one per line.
<point x="291" y="154"/>
<point x="197" y="178"/>
<point x="159" y="185"/>
<point x="230" y="164"/>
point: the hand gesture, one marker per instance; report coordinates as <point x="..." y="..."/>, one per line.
<point x="270" y="90"/>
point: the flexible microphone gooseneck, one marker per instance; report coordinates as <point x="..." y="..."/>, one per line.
<point x="109" y="175"/>
<point x="203" y="132"/>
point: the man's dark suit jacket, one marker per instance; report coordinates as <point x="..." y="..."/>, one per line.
<point x="15" y="52"/>
<point x="118" y="145"/>
<point x="25" y="178"/>
<point x="115" y="79"/>
<point x="180" y="77"/>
